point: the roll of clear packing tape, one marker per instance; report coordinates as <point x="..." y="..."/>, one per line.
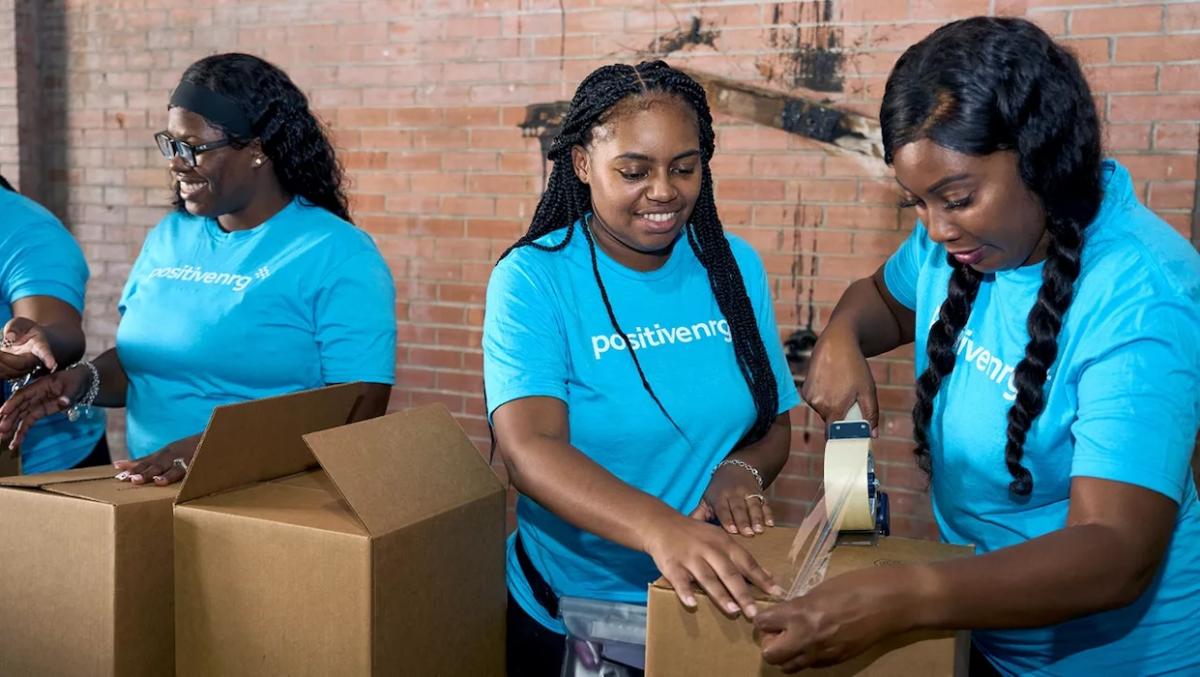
<point x="847" y="470"/>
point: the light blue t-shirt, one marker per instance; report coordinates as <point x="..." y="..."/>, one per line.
<point x="1122" y="404"/>
<point x="210" y="317"/>
<point x="546" y="333"/>
<point x="38" y="257"/>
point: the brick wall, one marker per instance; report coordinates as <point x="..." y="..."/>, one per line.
<point x="425" y="98"/>
<point x="9" y="149"/>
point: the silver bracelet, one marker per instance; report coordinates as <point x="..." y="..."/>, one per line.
<point x="744" y="466"/>
<point x="84" y="406"/>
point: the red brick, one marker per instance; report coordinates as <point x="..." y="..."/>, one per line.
<point x="1180" y="78"/>
<point x="1116" y="20"/>
<point x="1105" y="79"/>
<point x="1155" y="107"/>
<point x="1177" y="136"/>
<point x="1172" y="194"/>
<point x="1157" y="48"/>
<point x="1183" y="17"/>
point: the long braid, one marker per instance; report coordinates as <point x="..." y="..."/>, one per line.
<point x="940" y="349"/>
<point x="567" y="200"/>
<point x="980" y="86"/>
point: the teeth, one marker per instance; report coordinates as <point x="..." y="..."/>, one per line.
<point x="188" y="187"/>
<point x="659" y="218"/>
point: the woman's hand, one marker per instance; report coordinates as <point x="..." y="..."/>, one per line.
<point x="25" y="348"/>
<point x="688" y="551"/>
<point x="46" y="396"/>
<point x="734" y="499"/>
<point x="839" y="376"/>
<point x="837" y="620"/>
<point x="165" y="466"/>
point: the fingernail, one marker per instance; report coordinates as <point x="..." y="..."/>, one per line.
<point x="689" y="601"/>
<point x="778" y="591"/>
<point x="135" y="478"/>
<point x="157" y="478"/>
<point x="123" y="475"/>
<point x="748" y="531"/>
<point x="731" y="529"/>
<point x="758" y="528"/>
<point x="770" y="523"/>
<point x="732" y="608"/>
<point x="751" y="611"/>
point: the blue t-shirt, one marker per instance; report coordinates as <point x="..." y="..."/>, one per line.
<point x="38" y="257"/>
<point x="210" y="317"/>
<point x="1122" y="404"/>
<point x="546" y="333"/>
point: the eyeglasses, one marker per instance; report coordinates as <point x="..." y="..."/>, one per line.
<point x="170" y="147"/>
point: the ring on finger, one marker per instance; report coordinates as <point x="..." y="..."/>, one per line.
<point x="181" y="464"/>
<point x="761" y="499"/>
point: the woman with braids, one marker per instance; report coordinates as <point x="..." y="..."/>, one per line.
<point x="256" y="285"/>
<point x="1056" y="321"/>
<point x="633" y="370"/>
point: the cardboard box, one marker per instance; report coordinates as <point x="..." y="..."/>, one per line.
<point x="703" y="642"/>
<point x="85" y="584"/>
<point x="367" y="549"/>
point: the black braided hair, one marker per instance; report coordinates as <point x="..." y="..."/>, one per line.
<point x="983" y="85"/>
<point x="567" y="200"/>
<point x="291" y="135"/>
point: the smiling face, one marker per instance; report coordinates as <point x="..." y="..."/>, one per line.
<point x="644" y="170"/>
<point x="977" y="207"/>
<point x="223" y="180"/>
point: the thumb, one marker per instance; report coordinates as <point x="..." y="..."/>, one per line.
<point x="772" y="620"/>
<point x="868" y="402"/>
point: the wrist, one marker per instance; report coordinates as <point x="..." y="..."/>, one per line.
<point x="656" y="526"/>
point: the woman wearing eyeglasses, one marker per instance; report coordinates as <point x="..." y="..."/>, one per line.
<point x="42" y="280"/>
<point x="256" y="285"/>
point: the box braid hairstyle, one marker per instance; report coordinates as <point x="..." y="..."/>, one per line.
<point x="567" y="200"/>
<point x="983" y="85"/>
<point x="291" y="135"/>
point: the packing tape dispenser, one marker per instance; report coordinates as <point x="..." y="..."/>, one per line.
<point x="851" y="509"/>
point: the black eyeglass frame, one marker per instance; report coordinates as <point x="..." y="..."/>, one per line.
<point x="170" y="147"/>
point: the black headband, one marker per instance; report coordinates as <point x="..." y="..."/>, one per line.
<point x="216" y="108"/>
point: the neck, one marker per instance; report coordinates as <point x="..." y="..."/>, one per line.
<point x="624" y="253"/>
<point x="266" y="203"/>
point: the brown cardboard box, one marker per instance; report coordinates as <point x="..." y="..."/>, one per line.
<point x="703" y="642"/>
<point x="85" y="587"/>
<point x="376" y="548"/>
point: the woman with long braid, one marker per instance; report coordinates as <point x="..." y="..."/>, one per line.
<point x="633" y="368"/>
<point x="1056" y="321"/>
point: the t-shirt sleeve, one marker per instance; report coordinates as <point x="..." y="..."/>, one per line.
<point x="44" y="260"/>
<point x="1138" y="401"/>
<point x="524" y="345"/>
<point x="902" y="269"/>
<point x="754" y="275"/>
<point x="355" y="316"/>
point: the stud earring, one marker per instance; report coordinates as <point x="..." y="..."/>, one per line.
<point x="258" y="162"/>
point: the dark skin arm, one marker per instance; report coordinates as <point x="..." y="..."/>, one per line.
<point x="58" y="392"/>
<point x="867" y="321"/>
<point x="44" y="331"/>
<point x="533" y="437"/>
<point x="1104" y="558"/>
<point x="726" y="496"/>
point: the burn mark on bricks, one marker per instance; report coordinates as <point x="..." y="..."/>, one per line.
<point x="692" y="34"/>
<point x="811" y="50"/>
<point x="544" y="121"/>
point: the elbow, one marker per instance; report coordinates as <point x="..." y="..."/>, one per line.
<point x="1128" y="583"/>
